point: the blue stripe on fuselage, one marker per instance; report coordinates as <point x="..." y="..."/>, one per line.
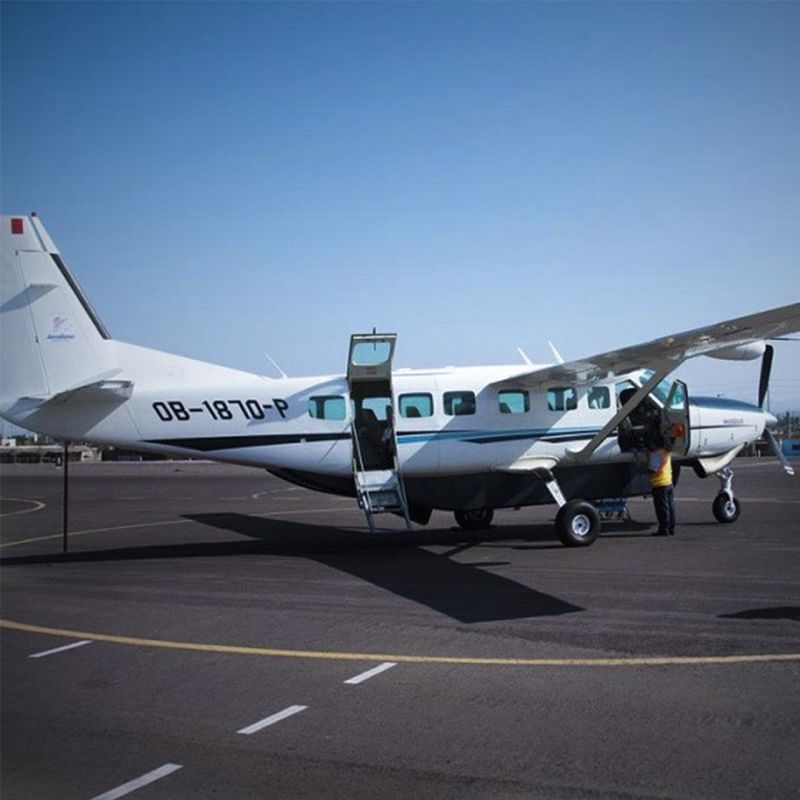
<point x="488" y="437"/>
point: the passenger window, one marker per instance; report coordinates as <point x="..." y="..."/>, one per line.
<point x="416" y="405"/>
<point x="562" y="399"/>
<point x="513" y="402"/>
<point x="599" y="397"/>
<point x="459" y="404"/>
<point x="327" y="407"/>
<point x="380" y="406"/>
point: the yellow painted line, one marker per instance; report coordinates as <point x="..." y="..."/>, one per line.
<point x="288" y="512"/>
<point x="37" y="506"/>
<point x="647" y="661"/>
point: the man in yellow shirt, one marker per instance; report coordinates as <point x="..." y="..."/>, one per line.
<point x="660" y="468"/>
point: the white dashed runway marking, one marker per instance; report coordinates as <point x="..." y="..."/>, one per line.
<point x="371" y="673"/>
<point x="267" y="721"/>
<point x="137" y="783"/>
<point x="60" y="649"/>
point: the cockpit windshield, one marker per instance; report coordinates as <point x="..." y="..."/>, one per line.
<point x="661" y="391"/>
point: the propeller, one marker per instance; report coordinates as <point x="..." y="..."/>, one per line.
<point x="766" y="369"/>
<point x="776" y="451"/>
<point x="763" y="388"/>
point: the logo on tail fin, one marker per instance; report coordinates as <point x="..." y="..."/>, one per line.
<point x="61" y="330"/>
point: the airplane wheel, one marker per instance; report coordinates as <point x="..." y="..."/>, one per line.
<point x="726" y="509"/>
<point x="474" y="519"/>
<point x="577" y="523"/>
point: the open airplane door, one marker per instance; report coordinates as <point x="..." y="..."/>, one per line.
<point x="378" y="483"/>
<point x="676" y="411"/>
<point x="369" y="379"/>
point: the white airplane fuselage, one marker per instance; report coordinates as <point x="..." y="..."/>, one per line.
<point x="183" y="407"/>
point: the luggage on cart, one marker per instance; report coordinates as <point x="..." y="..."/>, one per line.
<point x="613" y="508"/>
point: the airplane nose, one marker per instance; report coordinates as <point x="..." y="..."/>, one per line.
<point x="770" y="420"/>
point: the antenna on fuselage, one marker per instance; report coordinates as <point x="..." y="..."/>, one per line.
<point x="275" y="364"/>
<point x="524" y="357"/>
<point x="556" y="353"/>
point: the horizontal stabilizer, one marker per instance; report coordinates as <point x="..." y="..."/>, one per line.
<point x="98" y="392"/>
<point x="99" y="388"/>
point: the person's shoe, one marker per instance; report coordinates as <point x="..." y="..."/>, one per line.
<point x="660" y="533"/>
<point x="671" y="533"/>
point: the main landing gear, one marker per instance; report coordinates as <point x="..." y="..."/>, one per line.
<point x="726" y="507"/>
<point x="577" y="521"/>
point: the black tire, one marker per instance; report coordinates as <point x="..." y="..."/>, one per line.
<point x="474" y="519"/>
<point x="725" y="510"/>
<point x="577" y="523"/>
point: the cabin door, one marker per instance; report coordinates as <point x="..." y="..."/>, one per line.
<point x="369" y="377"/>
<point x="676" y="411"/>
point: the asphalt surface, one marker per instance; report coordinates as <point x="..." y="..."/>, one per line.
<point x="521" y="667"/>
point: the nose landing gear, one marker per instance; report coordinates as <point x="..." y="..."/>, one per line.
<point x="726" y="507"/>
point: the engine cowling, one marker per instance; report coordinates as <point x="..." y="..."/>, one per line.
<point x="720" y="424"/>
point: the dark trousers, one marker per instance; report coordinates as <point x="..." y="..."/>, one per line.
<point x="664" y="501"/>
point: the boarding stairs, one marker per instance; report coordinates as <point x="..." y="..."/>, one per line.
<point x="379" y="491"/>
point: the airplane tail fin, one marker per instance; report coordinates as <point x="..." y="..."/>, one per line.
<point x="51" y="339"/>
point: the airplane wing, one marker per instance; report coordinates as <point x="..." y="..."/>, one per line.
<point x="668" y="352"/>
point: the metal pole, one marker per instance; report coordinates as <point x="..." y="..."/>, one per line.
<point x="66" y="493"/>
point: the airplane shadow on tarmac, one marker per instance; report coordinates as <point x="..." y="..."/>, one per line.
<point x="393" y="561"/>
<point x="779" y="612"/>
<point x="464" y="592"/>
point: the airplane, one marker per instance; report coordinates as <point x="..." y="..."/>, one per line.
<point x="407" y="441"/>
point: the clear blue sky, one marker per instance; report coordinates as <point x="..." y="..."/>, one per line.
<point x="228" y="179"/>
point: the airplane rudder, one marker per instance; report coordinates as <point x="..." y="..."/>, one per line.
<point x="51" y="337"/>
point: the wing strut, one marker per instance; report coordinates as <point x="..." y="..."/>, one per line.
<point x="661" y="372"/>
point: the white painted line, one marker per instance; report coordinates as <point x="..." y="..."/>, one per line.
<point x="257" y="726"/>
<point x="137" y="783"/>
<point x="61" y="649"/>
<point x="370" y="673"/>
<point x="37" y="506"/>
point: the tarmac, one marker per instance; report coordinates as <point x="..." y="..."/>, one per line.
<point x="213" y="632"/>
